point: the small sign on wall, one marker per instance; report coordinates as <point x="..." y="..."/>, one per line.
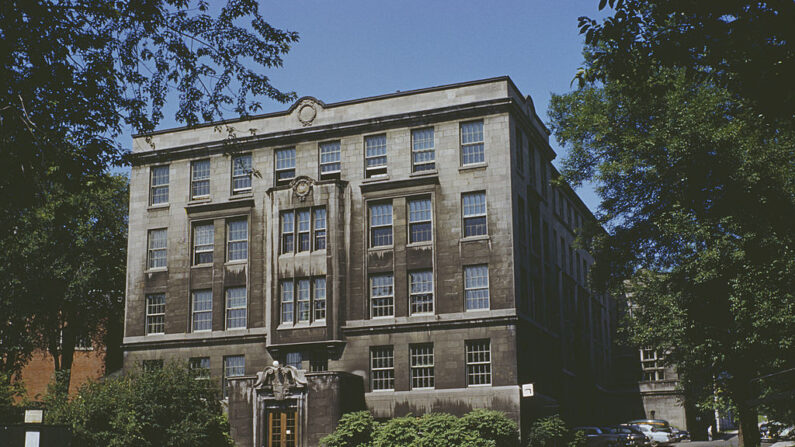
<point x="34" y="416"/>
<point x="528" y="390"/>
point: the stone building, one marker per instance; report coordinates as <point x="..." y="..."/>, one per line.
<point x="412" y="241"/>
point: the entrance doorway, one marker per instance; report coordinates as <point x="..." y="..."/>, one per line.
<point x="282" y="427"/>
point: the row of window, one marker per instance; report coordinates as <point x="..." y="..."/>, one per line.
<point x="203" y="243"/>
<point x="421" y="365"/>
<point x="201" y="310"/>
<point x="423" y="158"/>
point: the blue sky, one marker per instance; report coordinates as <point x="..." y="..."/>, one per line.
<point x="353" y="49"/>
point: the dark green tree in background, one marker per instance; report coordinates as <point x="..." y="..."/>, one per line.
<point x="683" y="118"/>
<point x="75" y="75"/>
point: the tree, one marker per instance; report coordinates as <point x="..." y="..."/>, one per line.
<point x="75" y="74"/>
<point x="162" y="407"/>
<point x="697" y="181"/>
<point x="68" y="277"/>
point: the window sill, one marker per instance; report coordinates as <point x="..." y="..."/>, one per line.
<point x="482" y="237"/>
<point x="201" y="266"/>
<point x="155" y="333"/>
<point x="199" y="200"/>
<point x="482" y="385"/>
<point x="422" y="314"/>
<point x="419" y="244"/>
<point x="376" y="178"/>
<point x="236" y="262"/>
<point x="241" y="195"/>
<point x="478" y="310"/>
<point x="422" y="173"/>
<point x="473" y="167"/>
<point x="157" y="270"/>
<point x="159" y="206"/>
<point x="381" y="248"/>
<point x="287" y="327"/>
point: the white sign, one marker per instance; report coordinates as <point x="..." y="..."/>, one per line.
<point x="32" y="439"/>
<point x="33" y="416"/>
<point x="528" y="390"/>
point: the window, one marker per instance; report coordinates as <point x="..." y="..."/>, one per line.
<point x="156" y="313"/>
<point x="152" y="365"/>
<point x="318" y="362"/>
<point x="200" y="366"/>
<point x="203" y="243"/>
<point x="294" y="359"/>
<point x="320" y="228"/>
<point x="382" y="368"/>
<point x="421" y="291"/>
<point x="423" y="157"/>
<point x="420" y="226"/>
<point x="382" y="296"/>
<point x="285" y="164"/>
<point x="237" y="240"/>
<point x="303" y="300"/>
<point x="236" y="308"/>
<point x="478" y="362"/>
<point x="287" y="301"/>
<point x="200" y="179"/>
<point x="319" y="299"/>
<point x="476" y="287"/>
<point x="519" y="150"/>
<point x="288" y="232"/>
<point x="241" y="174"/>
<point x="83" y="343"/>
<point x="652" y="366"/>
<point x="159" y="193"/>
<point x="234" y="366"/>
<point x="202" y="310"/>
<point x="522" y="218"/>
<point x="474" y="212"/>
<point x="421" y="366"/>
<point x="158" y="242"/>
<point x="472" y="143"/>
<point x="375" y="156"/>
<point x="381" y="224"/>
<point x="329" y="158"/>
<point x="304" y="222"/>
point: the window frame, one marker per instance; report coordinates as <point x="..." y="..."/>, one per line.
<point x="227" y="369"/>
<point x="313" y="232"/>
<point x="194" y="248"/>
<point x="195" y="364"/>
<point x="390" y="297"/>
<point x="277" y="170"/>
<point x="334" y="173"/>
<point x="380" y="170"/>
<point x="194" y="181"/>
<point x="316" y="298"/>
<point x="295" y="301"/>
<point x="303" y="235"/>
<point x="469" y="353"/>
<point x="247" y="174"/>
<point x="467" y="289"/>
<point x="228" y="309"/>
<point x="463" y="145"/>
<point x="416" y="370"/>
<point x="388" y="372"/>
<point x="421" y="166"/>
<point x="413" y="294"/>
<point x="229" y="241"/>
<point x="484" y="215"/>
<point x="317" y="230"/>
<point x="150" y="250"/>
<point x="194" y="312"/>
<point x="411" y="223"/>
<point x="371" y="228"/>
<point x="165" y="186"/>
<point x="159" y="315"/>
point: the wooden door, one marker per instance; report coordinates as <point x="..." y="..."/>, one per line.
<point x="282" y="428"/>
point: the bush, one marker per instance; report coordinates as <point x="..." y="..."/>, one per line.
<point x="552" y="432"/>
<point x="480" y="428"/>
<point x="10" y="412"/>
<point x="165" y="407"/>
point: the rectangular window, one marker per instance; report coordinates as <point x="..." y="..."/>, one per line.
<point x="375" y="156"/>
<point x="474" y="213"/>
<point x="236" y="308"/>
<point x="156" y="313"/>
<point x="472" y="143"/>
<point x="158" y="242"/>
<point x="200" y="366"/>
<point x="237" y="240"/>
<point x="652" y="365"/>
<point x="303" y="301"/>
<point x="381" y="224"/>
<point x="329" y="158"/>
<point x="159" y="193"/>
<point x="304" y="222"/>
<point x="423" y="157"/>
<point x="521" y="232"/>
<point x="476" y="287"/>
<point x="382" y="368"/>
<point x="202" y="310"/>
<point x="320" y="228"/>
<point x="421" y="366"/>
<point x="241" y="174"/>
<point x="420" y="225"/>
<point x="519" y="150"/>
<point x="288" y="232"/>
<point x="382" y="296"/>
<point x="203" y="243"/>
<point x="234" y="366"/>
<point x="294" y="359"/>
<point x="318" y="362"/>
<point x="285" y="164"/>
<point x="421" y="292"/>
<point x="319" y="301"/>
<point x="200" y="179"/>
<point x="287" y="301"/>
<point x="478" y="362"/>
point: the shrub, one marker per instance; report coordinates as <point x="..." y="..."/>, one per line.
<point x="493" y="425"/>
<point x="164" y="407"/>
<point x="548" y="432"/>
<point x="353" y="429"/>
<point x="10" y="412"/>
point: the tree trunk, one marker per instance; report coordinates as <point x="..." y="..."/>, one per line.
<point x="740" y="389"/>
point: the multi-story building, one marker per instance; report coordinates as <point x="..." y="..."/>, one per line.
<point x="414" y="239"/>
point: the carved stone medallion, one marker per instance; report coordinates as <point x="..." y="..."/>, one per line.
<point x="280" y="380"/>
<point x="307" y="113"/>
<point x="302" y="187"/>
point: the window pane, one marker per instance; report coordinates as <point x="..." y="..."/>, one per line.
<point x="329" y="157"/>
<point x="420" y="228"/>
<point x="203" y="243"/>
<point x="157" y="248"/>
<point x="238" y="240"/>
<point x="202" y="310"/>
<point x="382" y="368"/>
<point x="241" y="173"/>
<point x="476" y="287"/>
<point x="478" y="358"/>
<point x="474" y="204"/>
<point x="287" y="302"/>
<point x="423" y="154"/>
<point x="421" y="291"/>
<point x="375" y="150"/>
<point x="422" y="369"/>
<point x="236" y="308"/>
<point x="381" y="224"/>
<point x="285" y="158"/>
<point x="320" y="228"/>
<point x="303" y="300"/>
<point x="155" y="313"/>
<point x="234" y="366"/>
<point x="472" y="132"/>
<point x="320" y="299"/>
<point x="200" y="178"/>
<point x="159" y="184"/>
<point x="381" y="293"/>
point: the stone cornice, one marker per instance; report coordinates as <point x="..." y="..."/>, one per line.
<point x="377" y="326"/>
<point x="171" y="341"/>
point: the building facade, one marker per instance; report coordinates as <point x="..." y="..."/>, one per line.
<point x="415" y="240"/>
